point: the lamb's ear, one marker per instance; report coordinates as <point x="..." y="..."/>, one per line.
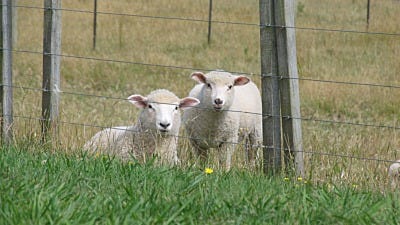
<point x="138" y="100"/>
<point x="188" y="102"/>
<point x="199" y="77"/>
<point x="241" y="80"/>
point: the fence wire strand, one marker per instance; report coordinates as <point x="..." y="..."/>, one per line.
<point x="207" y="69"/>
<point x="213" y="21"/>
<point x="309" y="119"/>
<point x="226" y="142"/>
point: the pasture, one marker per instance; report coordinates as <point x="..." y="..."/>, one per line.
<point x="135" y="55"/>
<point x="349" y="91"/>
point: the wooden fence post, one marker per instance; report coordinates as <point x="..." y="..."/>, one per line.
<point x="289" y="85"/>
<point x="14" y="22"/>
<point x="6" y="69"/>
<point x="94" y="24"/>
<point x="51" y="67"/>
<point x="368" y="10"/>
<point x="270" y="90"/>
<point x="209" y="21"/>
<point x="279" y="64"/>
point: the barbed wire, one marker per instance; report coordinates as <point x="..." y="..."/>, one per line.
<point x="212" y="21"/>
<point x="207" y="69"/>
<point x="127" y="129"/>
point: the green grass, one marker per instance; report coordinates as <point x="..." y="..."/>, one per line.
<point x="42" y="188"/>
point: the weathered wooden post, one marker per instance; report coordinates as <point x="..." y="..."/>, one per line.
<point x="6" y="70"/>
<point x="94" y="24"/>
<point x="14" y="22"/>
<point x="209" y="21"/>
<point x="368" y="10"/>
<point x="289" y="85"/>
<point x="51" y="67"/>
<point x="270" y="89"/>
<point x="280" y="83"/>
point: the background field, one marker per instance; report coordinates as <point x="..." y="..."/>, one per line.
<point x="322" y="55"/>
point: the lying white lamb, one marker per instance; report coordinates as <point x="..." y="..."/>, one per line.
<point x="394" y="174"/>
<point x="155" y="133"/>
<point x="229" y="110"/>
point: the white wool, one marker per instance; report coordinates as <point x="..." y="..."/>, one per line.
<point x="394" y="174"/>
<point x="239" y="118"/>
<point x="144" y="139"/>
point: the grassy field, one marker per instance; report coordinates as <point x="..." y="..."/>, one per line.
<point x="42" y="188"/>
<point x="337" y="56"/>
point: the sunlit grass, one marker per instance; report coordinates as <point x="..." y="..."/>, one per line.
<point x="42" y="187"/>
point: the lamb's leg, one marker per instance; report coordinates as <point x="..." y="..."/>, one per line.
<point x="225" y="153"/>
<point x="251" y="150"/>
<point x="253" y="145"/>
<point x="200" y="152"/>
<point x="248" y="150"/>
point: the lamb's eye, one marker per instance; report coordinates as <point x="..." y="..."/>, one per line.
<point x="176" y="107"/>
<point x="209" y="85"/>
<point x="230" y="87"/>
<point x="150" y="107"/>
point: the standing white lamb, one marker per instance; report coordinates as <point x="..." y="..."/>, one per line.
<point x="229" y="110"/>
<point x="155" y="133"/>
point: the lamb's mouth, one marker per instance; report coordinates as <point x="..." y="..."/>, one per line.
<point x="218" y="108"/>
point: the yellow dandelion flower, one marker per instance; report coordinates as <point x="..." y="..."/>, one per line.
<point x="299" y="179"/>
<point x="286" y="179"/>
<point x="208" y="171"/>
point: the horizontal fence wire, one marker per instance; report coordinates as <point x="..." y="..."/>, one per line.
<point x="235" y="111"/>
<point x="212" y="21"/>
<point x="222" y="141"/>
<point x="208" y="69"/>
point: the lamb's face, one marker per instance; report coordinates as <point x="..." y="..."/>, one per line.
<point x="219" y="88"/>
<point x="162" y="115"/>
<point x="220" y="93"/>
<point x="161" y="110"/>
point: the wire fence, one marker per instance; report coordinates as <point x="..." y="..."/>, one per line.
<point x="207" y="69"/>
<point x="213" y="21"/>
<point x="222" y="141"/>
<point x="302" y="78"/>
<point x="204" y="108"/>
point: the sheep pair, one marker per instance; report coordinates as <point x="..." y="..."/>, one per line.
<point x="228" y="111"/>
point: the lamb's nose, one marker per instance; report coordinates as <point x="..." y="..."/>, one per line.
<point x="218" y="101"/>
<point x="164" y="125"/>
